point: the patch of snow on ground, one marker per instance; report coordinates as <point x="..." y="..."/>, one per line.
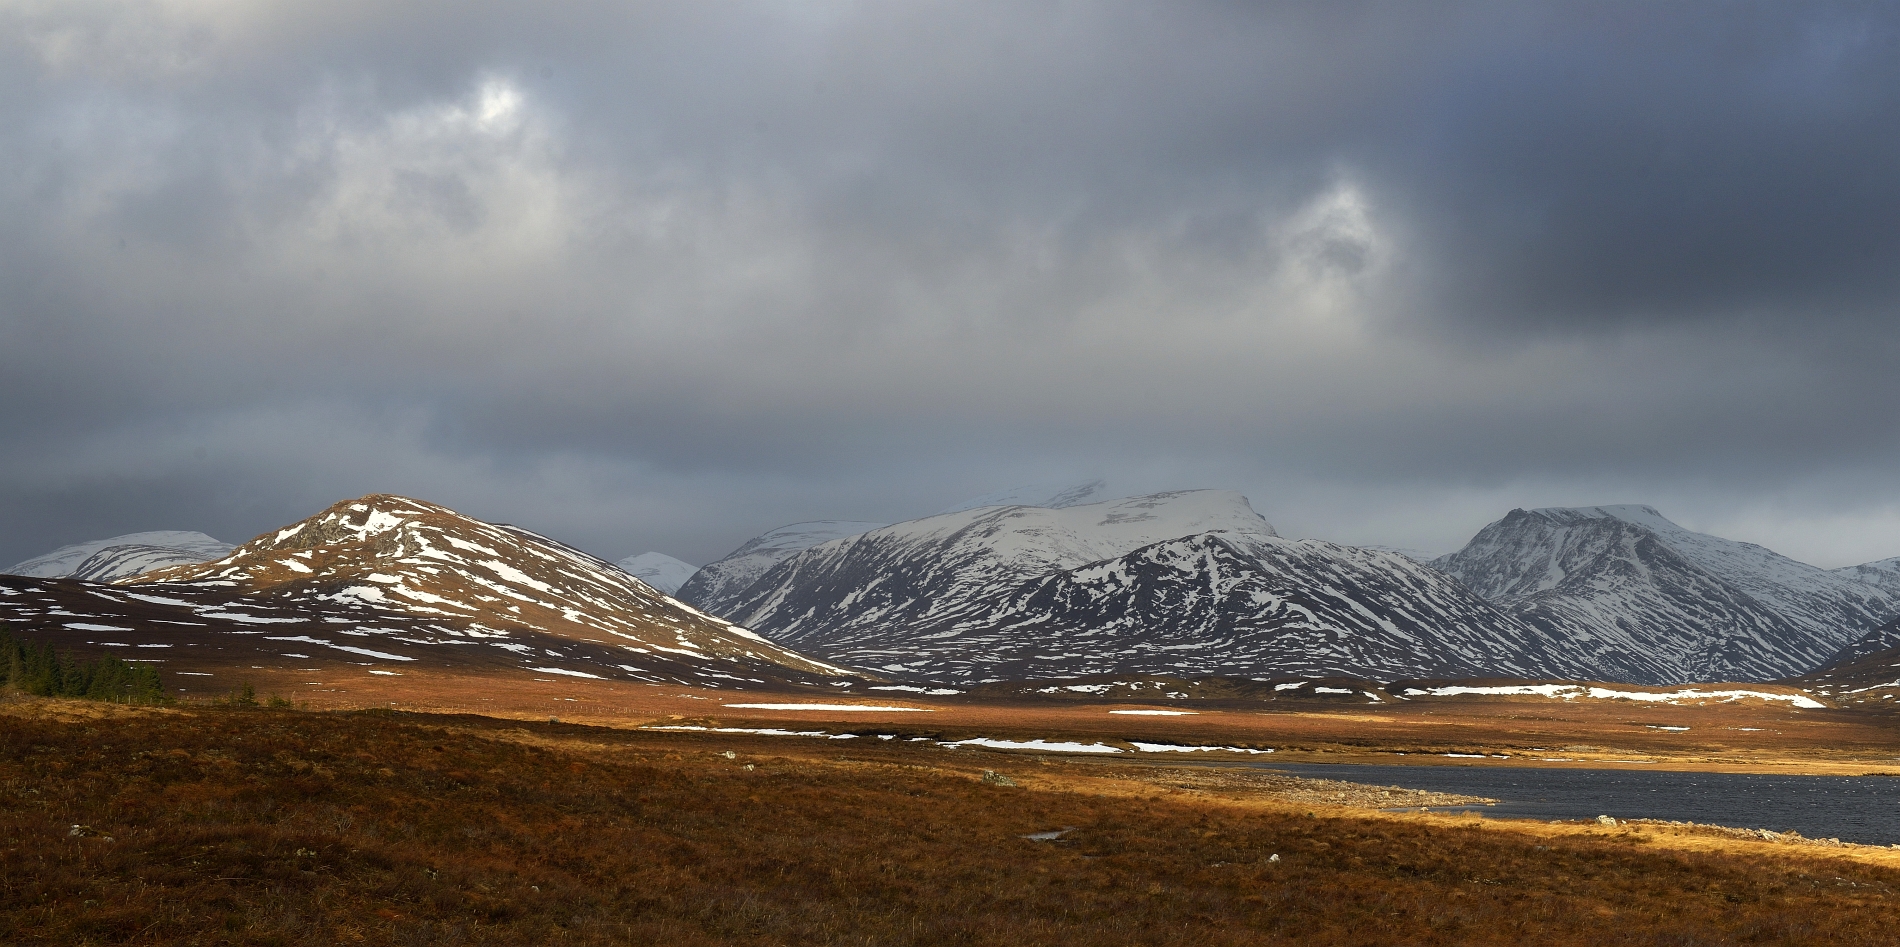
<point x="1565" y="691"/>
<point x="1863" y="690"/>
<point x="1799" y="700"/>
<point x="341" y="647"/>
<point x="1173" y="748"/>
<point x="843" y="707"/>
<point x="1036" y="744"/>
<point x="83" y="626"/>
<point x="158" y="599"/>
<point x="935" y="691"/>
<point x="567" y="672"/>
<point x="1076" y="688"/>
<point x="1573" y="691"/>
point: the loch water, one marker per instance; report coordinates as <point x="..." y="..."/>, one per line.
<point x="1864" y="809"/>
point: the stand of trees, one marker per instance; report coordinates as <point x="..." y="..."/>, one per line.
<point x="39" y="670"/>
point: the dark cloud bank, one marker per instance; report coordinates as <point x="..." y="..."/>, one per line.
<point x="664" y="276"/>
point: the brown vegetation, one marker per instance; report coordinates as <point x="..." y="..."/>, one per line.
<point x="257" y="826"/>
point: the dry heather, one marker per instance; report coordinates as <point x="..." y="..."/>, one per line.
<point x="252" y="826"/>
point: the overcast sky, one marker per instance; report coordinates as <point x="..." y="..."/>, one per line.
<point x="662" y="276"/>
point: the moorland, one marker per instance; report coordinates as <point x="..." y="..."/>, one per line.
<point x="201" y="824"/>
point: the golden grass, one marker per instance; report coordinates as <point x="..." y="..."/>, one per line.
<point x="283" y="827"/>
<point x="1746" y="736"/>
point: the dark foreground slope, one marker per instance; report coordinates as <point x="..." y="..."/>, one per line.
<point x="286" y="828"/>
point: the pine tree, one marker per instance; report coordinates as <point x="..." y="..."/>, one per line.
<point x="40" y="670"/>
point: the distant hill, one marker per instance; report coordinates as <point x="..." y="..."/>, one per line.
<point x="718" y="586"/>
<point x="659" y="570"/>
<point x="106" y="560"/>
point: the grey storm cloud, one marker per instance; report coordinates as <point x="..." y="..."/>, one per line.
<point x="665" y="275"/>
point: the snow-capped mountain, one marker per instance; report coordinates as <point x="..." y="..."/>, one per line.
<point x="718" y="585"/>
<point x="1622" y="582"/>
<point x="1416" y="555"/>
<point x="1191" y="583"/>
<point x="104" y="560"/>
<point x="1046" y="495"/>
<point x="1883" y="575"/>
<point x="390" y="571"/>
<point x="659" y="570"/>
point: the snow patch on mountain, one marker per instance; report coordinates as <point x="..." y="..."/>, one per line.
<point x="1416" y="555"/>
<point x="1048" y="496"/>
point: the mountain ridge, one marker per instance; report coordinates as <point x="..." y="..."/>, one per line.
<point x="1183" y="582"/>
<point x="1624" y="580"/>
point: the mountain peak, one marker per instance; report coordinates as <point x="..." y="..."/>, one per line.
<point x="478" y="580"/>
<point x="1635" y="513"/>
<point x="1046" y="495"/>
<point x="1699" y="606"/>
<point x="358" y="520"/>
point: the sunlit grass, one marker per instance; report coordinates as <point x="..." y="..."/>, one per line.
<point x="260" y="826"/>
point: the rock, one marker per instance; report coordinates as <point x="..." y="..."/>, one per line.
<point x="994" y="778"/>
<point x="1605" y="820"/>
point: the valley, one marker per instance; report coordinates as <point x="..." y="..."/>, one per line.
<point x="1149" y="720"/>
<point x="197" y="825"/>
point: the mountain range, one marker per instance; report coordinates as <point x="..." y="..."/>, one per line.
<point x="1615" y="593"/>
<point x="1192" y="582"/>
<point x="1181" y="583"/>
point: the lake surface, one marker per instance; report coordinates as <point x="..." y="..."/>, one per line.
<point x="1863" y="809"/>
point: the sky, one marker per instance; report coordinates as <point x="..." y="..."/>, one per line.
<point x="664" y="276"/>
